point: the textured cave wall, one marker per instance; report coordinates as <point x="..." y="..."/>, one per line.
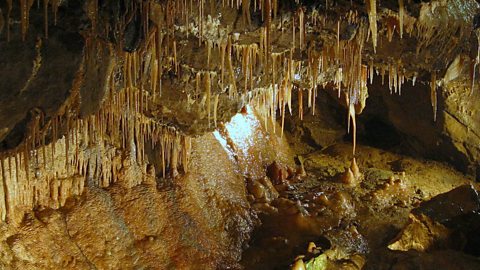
<point x="201" y="220"/>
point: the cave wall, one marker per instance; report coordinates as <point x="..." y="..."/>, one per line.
<point x="200" y="220"/>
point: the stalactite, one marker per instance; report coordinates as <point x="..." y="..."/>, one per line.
<point x="390" y="77"/>
<point x="208" y="92"/>
<point x="67" y="143"/>
<point x="17" y="167"/>
<point x="338" y="39"/>
<point x="200" y="20"/>
<point x="371" y="72"/>
<point x="26" y="162"/>
<point x="293" y="32"/>
<point x="136" y="66"/>
<point x="253" y="50"/>
<point x="246" y="13"/>
<point x="268" y="38"/>
<point x="473" y="71"/>
<point x="9" y="10"/>
<point x="245" y="64"/>
<point x="215" y="107"/>
<point x="301" y="24"/>
<point x="154" y="78"/>
<point x="433" y="94"/>
<point x="175" y="57"/>
<point x="10" y="167"/>
<point x="300" y="104"/>
<point x="92" y="12"/>
<point x="25" y="6"/>
<point x="401" y="14"/>
<point x="372" y="18"/>
<point x="282" y="110"/>
<point x="232" y="88"/>
<point x="351" y="117"/>
<point x="476" y="61"/>
<point x="222" y="48"/>
<point x="5" y="189"/>
<point x="45" y="17"/>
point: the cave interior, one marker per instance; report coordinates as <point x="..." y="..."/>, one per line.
<point x="239" y="134"/>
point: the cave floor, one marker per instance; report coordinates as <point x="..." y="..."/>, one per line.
<point x="352" y="223"/>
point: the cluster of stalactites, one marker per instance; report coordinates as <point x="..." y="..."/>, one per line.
<point x="45" y="175"/>
<point x="284" y="71"/>
<point x="278" y="95"/>
<point x="440" y="21"/>
<point x="142" y="72"/>
<point x="25" y="7"/>
<point x="61" y="156"/>
<point x="396" y="76"/>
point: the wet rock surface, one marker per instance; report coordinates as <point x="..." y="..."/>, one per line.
<point x="353" y="225"/>
<point x="447" y="207"/>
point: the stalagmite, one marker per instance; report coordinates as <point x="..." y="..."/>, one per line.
<point x="355" y="169"/>
<point x="348" y="177"/>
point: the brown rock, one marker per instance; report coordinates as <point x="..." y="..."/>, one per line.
<point x="276" y="173"/>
